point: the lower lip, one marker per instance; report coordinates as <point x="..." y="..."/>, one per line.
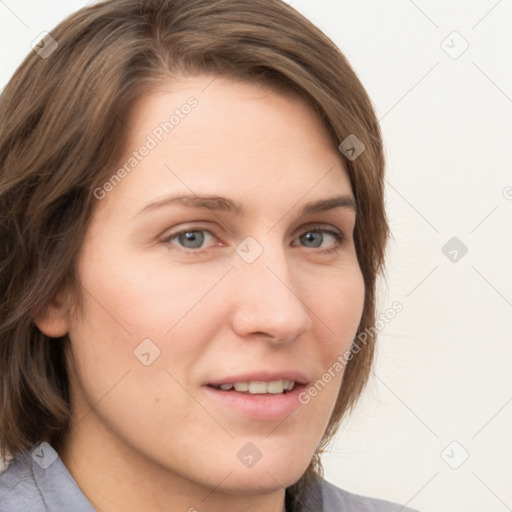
<point x="264" y="407"/>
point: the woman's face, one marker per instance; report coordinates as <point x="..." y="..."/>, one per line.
<point x="181" y="295"/>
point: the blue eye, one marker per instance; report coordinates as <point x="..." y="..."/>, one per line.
<point x="313" y="238"/>
<point x="316" y="237"/>
<point x="190" y="239"/>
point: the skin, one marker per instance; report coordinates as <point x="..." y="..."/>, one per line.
<point x="147" y="437"/>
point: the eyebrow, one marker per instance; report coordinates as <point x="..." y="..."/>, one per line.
<point x="219" y="203"/>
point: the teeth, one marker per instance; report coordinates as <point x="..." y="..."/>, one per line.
<point x="260" y="387"/>
<point x="241" y="386"/>
<point x="276" y="386"/>
<point x="257" y="387"/>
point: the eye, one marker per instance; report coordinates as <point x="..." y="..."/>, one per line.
<point x="316" y="236"/>
<point x="190" y="238"/>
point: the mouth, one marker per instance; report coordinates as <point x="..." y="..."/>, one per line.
<point x="261" y="396"/>
<point x="257" y="387"/>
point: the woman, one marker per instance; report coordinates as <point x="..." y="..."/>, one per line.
<point x="192" y="225"/>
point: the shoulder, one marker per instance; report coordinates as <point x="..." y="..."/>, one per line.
<point x="322" y="496"/>
<point x="38" y="481"/>
<point x="335" y="499"/>
<point x="18" y="489"/>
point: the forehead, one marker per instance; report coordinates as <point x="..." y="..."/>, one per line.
<point x="247" y="112"/>
<point x="212" y="135"/>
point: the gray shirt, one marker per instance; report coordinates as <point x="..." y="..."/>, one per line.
<point x="38" y="481"/>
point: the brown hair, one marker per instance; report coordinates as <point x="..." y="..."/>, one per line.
<point x="63" y="126"/>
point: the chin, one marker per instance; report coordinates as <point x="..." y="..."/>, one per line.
<point x="265" y="478"/>
<point x="256" y="484"/>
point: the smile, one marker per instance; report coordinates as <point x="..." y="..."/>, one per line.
<point x="255" y="387"/>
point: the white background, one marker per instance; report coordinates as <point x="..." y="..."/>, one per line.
<point x="442" y="372"/>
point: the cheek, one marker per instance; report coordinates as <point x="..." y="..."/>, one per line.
<point x="126" y="369"/>
<point x="338" y="308"/>
<point x="137" y="312"/>
<point x="136" y="297"/>
<point x="339" y="304"/>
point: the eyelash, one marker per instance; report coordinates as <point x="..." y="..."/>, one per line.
<point x="338" y="236"/>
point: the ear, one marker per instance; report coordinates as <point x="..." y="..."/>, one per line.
<point x="54" y="320"/>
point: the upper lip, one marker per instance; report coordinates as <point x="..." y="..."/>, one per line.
<point x="262" y="375"/>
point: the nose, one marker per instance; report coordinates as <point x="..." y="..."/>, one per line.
<point x="267" y="298"/>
